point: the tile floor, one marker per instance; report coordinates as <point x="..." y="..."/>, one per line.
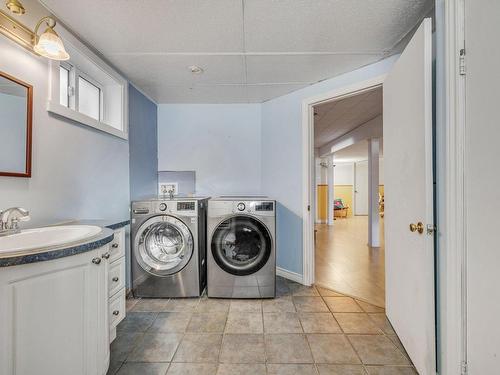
<point x="304" y="331"/>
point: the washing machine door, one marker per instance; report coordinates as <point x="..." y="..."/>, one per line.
<point x="241" y="245"/>
<point x="163" y="245"/>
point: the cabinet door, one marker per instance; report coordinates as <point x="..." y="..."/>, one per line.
<point x="51" y="319"/>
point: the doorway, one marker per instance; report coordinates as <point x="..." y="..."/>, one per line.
<point x="361" y="187"/>
<point x="345" y="259"/>
<point x="409" y="186"/>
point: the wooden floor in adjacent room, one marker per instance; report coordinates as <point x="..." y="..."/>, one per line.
<point x="344" y="261"/>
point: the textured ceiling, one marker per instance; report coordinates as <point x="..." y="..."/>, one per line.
<point x="250" y="50"/>
<point x="334" y="119"/>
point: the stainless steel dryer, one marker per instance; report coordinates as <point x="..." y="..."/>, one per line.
<point x="241" y="259"/>
<point x="169" y="247"/>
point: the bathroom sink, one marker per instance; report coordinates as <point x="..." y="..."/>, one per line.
<point x="42" y="239"/>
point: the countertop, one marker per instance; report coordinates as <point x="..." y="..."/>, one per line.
<point x="110" y="224"/>
<point x="74" y="248"/>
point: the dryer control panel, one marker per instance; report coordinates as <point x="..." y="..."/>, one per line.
<point x="222" y="207"/>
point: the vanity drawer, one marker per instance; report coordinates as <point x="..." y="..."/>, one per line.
<point x="117" y="309"/>
<point x="116" y="277"/>
<point x="117" y="246"/>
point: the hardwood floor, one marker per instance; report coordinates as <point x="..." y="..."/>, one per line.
<point x="344" y="261"/>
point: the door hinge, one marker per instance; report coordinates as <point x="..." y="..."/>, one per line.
<point x="461" y="68"/>
<point x="308" y="207"/>
<point x="464" y="369"/>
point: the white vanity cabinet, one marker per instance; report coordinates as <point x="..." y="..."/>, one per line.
<point x="116" y="282"/>
<point x="54" y="316"/>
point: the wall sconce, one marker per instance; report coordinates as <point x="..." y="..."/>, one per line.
<point x="48" y="44"/>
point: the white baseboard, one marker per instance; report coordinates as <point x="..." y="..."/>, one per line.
<point x="293" y="276"/>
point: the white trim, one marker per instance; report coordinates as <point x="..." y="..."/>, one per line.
<point x="73" y="43"/>
<point x="452" y="222"/>
<point x="58" y="109"/>
<point x="308" y="204"/>
<point x="293" y="276"/>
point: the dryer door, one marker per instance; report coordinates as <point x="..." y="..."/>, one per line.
<point x="241" y="245"/>
<point x="163" y="245"/>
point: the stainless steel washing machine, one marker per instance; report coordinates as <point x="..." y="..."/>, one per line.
<point x="169" y="247"/>
<point x="241" y="259"/>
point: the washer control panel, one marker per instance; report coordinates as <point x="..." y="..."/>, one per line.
<point x="184" y="208"/>
<point x="241" y="206"/>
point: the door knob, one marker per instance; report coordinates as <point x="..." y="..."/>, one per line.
<point x="419" y="227"/>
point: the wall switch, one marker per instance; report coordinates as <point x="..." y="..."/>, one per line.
<point x="164" y="188"/>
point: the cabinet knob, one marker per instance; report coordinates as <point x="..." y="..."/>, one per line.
<point x="116" y="312"/>
<point x="96" y="260"/>
<point x="105" y="255"/>
<point x="114" y="246"/>
<point x="115" y="279"/>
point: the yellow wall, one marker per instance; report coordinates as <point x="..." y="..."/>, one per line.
<point x="344" y="192"/>
<point x="322" y="202"/>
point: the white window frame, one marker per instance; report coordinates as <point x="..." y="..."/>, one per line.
<point x="71" y="112"/>
<point x="68" y="68"/>
<point x="74" y="89"/>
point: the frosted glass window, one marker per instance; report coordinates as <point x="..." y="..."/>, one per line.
<point x="89" y="98"/>
<point x="63" y="86"/>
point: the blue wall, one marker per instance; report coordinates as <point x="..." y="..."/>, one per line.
<point x="251" y="148"/>
<point x="143" y="143"/>
<point x="220" y="142"/>
<point x="282" y="157"/>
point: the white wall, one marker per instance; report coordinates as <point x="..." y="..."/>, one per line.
<point x="78" y="172"/>
<point x="344" y="174"/>
<point x="220" y="142"/>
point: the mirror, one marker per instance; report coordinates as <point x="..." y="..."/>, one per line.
<point x="16" y="101"/>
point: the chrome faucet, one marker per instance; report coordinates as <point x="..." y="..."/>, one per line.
<point x="10" y="218"/>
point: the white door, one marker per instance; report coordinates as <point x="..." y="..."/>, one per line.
<point x="361" y="188"/>
<point x="409" y="199"/>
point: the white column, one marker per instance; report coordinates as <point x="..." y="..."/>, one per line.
<point x="373" y="182"/>
<point x="331" y="195"/>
